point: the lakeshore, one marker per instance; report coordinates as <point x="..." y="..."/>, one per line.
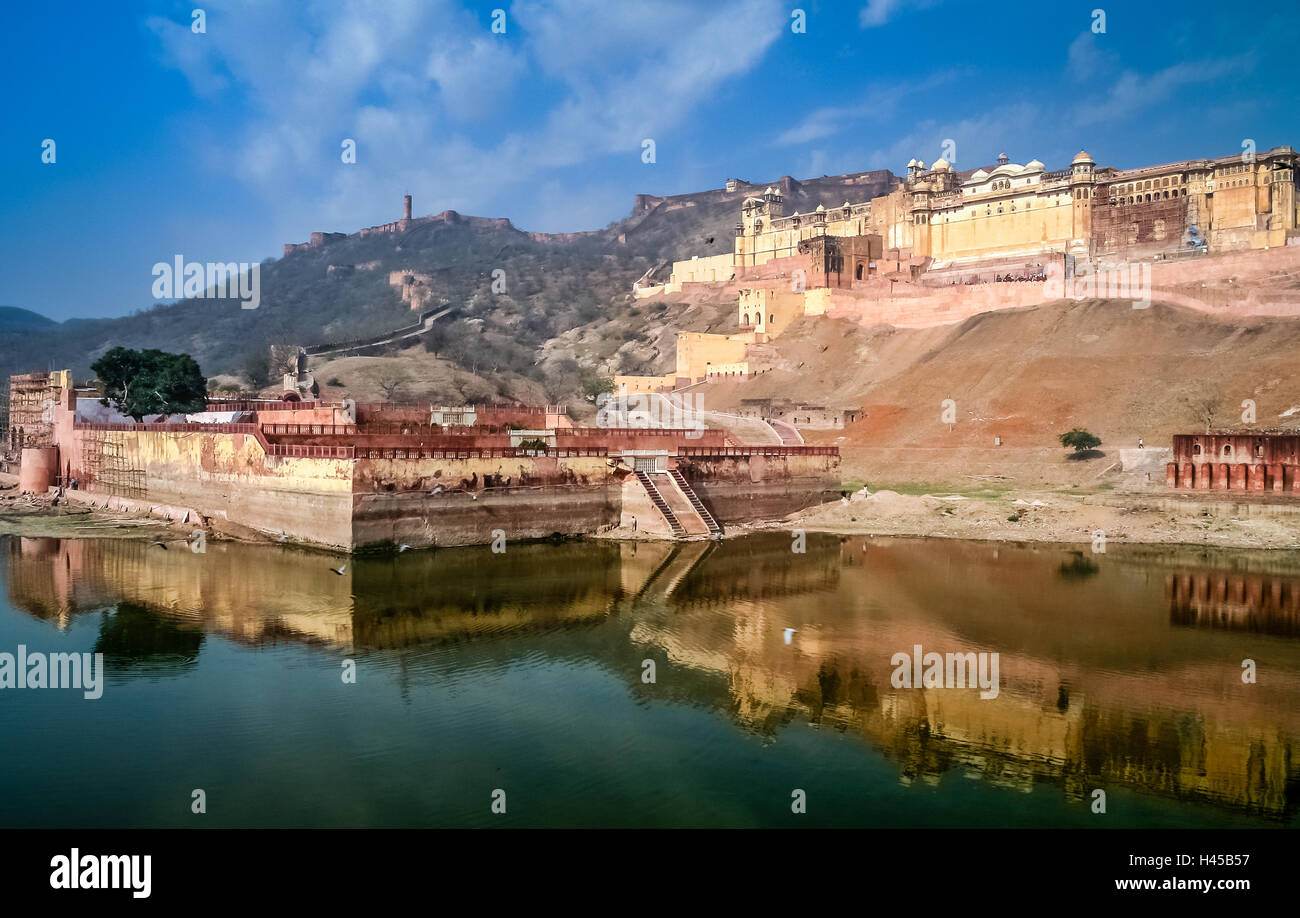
<point x="1031" y="515"/>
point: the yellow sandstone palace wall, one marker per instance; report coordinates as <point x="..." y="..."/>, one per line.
<point x="697" y="350"/>
<point x="229" y="476"/>
<point x="707" y="270"/>
<point x="978" y="231"/>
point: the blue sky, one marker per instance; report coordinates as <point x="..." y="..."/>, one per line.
<point x="222" y="146"/>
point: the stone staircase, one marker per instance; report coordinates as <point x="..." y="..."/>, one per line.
<point x="679" y="531"/>
<point x="715" y="528"/>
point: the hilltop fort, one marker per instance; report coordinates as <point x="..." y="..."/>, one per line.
<point x="939" y="245"/>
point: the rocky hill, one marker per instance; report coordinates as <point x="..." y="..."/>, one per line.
<point x="340" y="290"/>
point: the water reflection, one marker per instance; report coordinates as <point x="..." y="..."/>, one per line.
<point x="133" y="638"/>
<point x="1118" y="670"/>
<point x="1234" y="601"/>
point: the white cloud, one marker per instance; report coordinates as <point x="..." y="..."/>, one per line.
<point x="422" y="87"/>
<point x="878" y="12"/>
<point x="475" y="76"/>
<point x="880" y="102"/>
<point x="978" y="139"/>
<point x="1133" y="92"/>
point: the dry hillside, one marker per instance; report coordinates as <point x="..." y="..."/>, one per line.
<point x="1026" y="375"/>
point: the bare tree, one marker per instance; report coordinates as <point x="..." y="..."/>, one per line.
<point x="391" y="381"/>
<point x="1204" y="406"/>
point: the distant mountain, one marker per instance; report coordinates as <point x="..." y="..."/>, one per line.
<point x="13" y="319"/>
<point x="513" y="290"/>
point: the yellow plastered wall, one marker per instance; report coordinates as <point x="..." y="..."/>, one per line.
<point x="816" y="302"/>
<point x="978" y="229"/>
<point x="767" y="311"/>
<point x="229" y="475"/>
<point x="637" y="384"/>
<point x="697" y="350"/>
<point x="708" y="270"/>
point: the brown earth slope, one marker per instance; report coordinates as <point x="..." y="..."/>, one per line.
<point x="1026" y="375"/>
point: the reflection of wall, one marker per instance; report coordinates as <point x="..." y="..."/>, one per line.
<point x="248" y="594"/>
<point x="262" y="595"/>
<point x="475" y="594"/>
<point x="1234" y="602"/>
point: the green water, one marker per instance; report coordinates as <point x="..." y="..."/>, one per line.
<point x="525" y="672"/>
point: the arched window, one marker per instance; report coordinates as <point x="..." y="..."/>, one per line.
<point x="859" y="271"/>
<point x="1196" y="449"/>
<point x="745" y="319"/>
<point x="1227" y="449"/>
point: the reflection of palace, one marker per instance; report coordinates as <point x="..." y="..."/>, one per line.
<point x="1234" y="601"/>
<point x="1101" y="685"/>
<point x="1119" y="706"/>
<point x="257" y="595"/>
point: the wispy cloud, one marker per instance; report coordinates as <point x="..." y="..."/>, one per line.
<point x="429" y="93"/>
<point x="878" y="12"/>
<point x="878" y="103"/>
<point x="1131" y="92"/>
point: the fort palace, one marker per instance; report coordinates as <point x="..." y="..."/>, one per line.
<point x="939" y="245"/>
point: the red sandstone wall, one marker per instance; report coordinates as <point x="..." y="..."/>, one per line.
<point x="1261" y="463"/>
<point x="1130" y="230"/>
<point x="39" y="469"/>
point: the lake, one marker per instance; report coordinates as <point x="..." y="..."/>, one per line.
<point x="653" y="684"/>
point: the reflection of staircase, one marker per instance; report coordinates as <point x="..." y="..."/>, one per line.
<point x="658" y="500"/>
<point x="715" y="528"/>
<point x="684" y="558"/>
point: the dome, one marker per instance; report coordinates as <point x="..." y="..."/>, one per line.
<point x="941" y="165"/>
<point x="847" y="205"/>
<point x="911" y="162"/>
<point x="920" y="164"/>
<point x="1082" y="157"/>
<point x="979" y="175"/>
<point x="1034" y="164"/>
<point x="821" y="209"/>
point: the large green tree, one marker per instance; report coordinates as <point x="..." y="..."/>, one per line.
<point x="151" y="382"/>
<point x="1081" y="440"/>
